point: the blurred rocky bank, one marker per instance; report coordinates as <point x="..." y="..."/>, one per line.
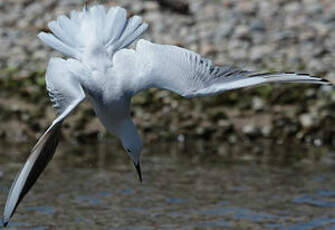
<point x="277" y="35"/>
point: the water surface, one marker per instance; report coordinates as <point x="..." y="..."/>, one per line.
<point x="185" y="187"/>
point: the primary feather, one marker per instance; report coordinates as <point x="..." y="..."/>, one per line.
<point x="68" y="94"/>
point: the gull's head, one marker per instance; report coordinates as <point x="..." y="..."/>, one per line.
<point x="132" y="143"/>
<point x="135" y="153"/>
<point x="133" y="147"/>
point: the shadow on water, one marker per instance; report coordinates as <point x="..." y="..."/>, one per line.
<point x="186" y="186"/>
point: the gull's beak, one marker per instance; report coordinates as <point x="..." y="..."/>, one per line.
<point x="138" y="169"/>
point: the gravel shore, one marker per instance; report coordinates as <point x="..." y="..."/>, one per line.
<point x="276" y="35"/>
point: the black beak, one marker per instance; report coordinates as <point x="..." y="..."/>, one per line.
<point x="138" y="169"/>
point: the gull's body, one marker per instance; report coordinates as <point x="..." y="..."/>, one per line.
<point x="106" y="101"/>
<point x="102" y="68"/>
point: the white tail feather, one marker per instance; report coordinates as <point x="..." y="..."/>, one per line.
<point x="117" y="16"/>
<point x="93" y="29"/>
<point x="57" y="44"/>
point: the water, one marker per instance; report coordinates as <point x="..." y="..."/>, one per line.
<point x="185" y="187"/>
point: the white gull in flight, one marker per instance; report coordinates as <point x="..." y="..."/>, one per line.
<point x="101" y="67"/>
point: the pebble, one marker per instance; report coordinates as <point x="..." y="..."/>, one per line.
<point x="259" y="52"/>
<point x="257" y="25"/>
<point x="279" y="35"/>
<point x="249" y="129"/>
<point x="257" y="103"/>
<point x="306" y="120"/>
<point x="242" y="32"/>
<point x="243" y="29"/>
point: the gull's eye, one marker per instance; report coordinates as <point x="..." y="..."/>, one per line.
<point x="129" y="151"/>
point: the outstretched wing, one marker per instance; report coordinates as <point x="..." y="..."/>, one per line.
<point x="188" y="74"/>
<point x="66" y="93"/>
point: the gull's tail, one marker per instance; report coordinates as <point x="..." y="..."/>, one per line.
<point x="93" y="30"/>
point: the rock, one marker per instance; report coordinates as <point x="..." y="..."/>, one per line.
<point x="71" y="2"/>
<point x="317" y="142"/>
<point x="238" y="54"/>
<point x="224" y="30"/>
<point x="181" y="138"/>
<point x="208" y="50"/>
<point x="322" y="29"/>
<point x="259" y="52"/>
<point x="306" y="120"/>
<point x="40" y="54"/>
<point x="257" y="25"/>
<point x="246" y="7"/>
<point x="315" y="7"/>
<point x="242" y="32"/>
<point x="292" y="7"/>
<point x="150" y="6"/>
<point x="257" y="103"/>
<point x="180" y="6"/>
<point x="249" y="129"/>
<point x="283" y="35"/>
<point x="316" y="65"/>
<point x="266" y="130"/>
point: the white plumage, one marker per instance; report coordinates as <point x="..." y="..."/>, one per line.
<point x="92" y="36"/>
<point x="101" y="67"/>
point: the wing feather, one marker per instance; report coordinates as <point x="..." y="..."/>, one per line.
<point x="190" y="75"/>
<point x="67" y="93"/>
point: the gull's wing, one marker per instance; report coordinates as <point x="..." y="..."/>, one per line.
<point x="62" y="79"/>
<point x="187" y="73"/>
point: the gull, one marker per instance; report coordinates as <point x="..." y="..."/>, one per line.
<point x="101" y="67"/>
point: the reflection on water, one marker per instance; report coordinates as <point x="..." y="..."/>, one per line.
<point x="185" y="187"/>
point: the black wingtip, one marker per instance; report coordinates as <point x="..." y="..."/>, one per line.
<point x="326" y="81"/>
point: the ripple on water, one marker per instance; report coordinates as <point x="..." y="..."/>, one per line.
<point x="126" y="191"/>
<point x="138" y="210"/>
<point x="233" y="197"/>
<point x="315" y="223"/>
<point x="20" y="226"/>
<point x="176" y="200"/>
<point x="103" y="194"/>
<point x="239" y="213"/>
<point x="42" y="209"/>
<point x="88" y="198"/>
<point x="317" y="199"/>
<point x="15" y="224"/>
<point x="326" y="193"/>
<point x="332" y="227"/>
<point x="133" y="228"/>
<point x="214" y="223"/>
